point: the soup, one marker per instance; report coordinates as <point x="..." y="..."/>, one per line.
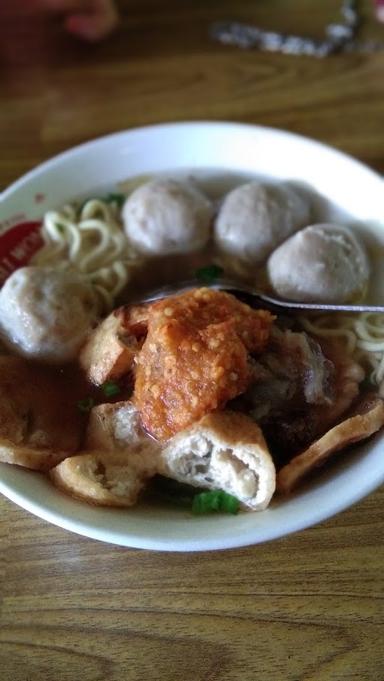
<point x="285" y="404"/>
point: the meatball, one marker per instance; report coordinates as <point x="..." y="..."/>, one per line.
<point x="323" y="263"/>
<point x="256" y="217"/>
<point x="45" y="314"/>
<point x="164" y="217"/>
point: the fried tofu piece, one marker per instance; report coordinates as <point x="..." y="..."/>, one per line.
<point x="100" y="478"/>
<point x="368" y="420"/>
<point x="118" y="459"/>
<point x="29" y="457"/>
<point x="117" y="428"/>
<point x="39" y="420"/>
<point x="225" y="450"/>
<point x="110" y="350"/>
<point x="195" y="357"/>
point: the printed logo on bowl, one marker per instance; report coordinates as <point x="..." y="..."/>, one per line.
<point x="17" y="246"/>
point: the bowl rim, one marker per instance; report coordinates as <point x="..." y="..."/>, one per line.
<point x="192" y="545"/>
<point x="224" y="126"/>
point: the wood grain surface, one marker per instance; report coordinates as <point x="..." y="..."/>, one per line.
<point x="308" y="607"/>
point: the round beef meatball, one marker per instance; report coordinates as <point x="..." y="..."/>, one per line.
<point x="256" y="217"/>
<point x="322" y="263"/>
<point x="45" y="314"/>
<point x="164" y="217"/>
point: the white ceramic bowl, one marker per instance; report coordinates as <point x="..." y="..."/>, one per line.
<point x="225" y="147"/>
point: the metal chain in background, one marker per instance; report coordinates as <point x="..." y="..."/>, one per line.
<point x="339" y="37"/>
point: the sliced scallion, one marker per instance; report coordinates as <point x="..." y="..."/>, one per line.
<point x="119" y="199"/>
<point x="215" y="501"/>
<point x="110" y="389"/>
<point x="208" y="275"/>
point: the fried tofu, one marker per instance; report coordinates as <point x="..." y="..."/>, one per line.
<point x="118" y="459"/>
<point x="31" y="397"/>
<point x="29" y="457"/>
<point x="225" y="450"/>
<point x="100" y="478"/>
<point x="361" y="425"/>
<point x="117" y="428"/>
<point x="110" y="350"/>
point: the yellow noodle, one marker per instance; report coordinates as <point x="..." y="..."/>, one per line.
<point x="91" y="241"/>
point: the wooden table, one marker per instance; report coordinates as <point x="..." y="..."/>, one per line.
<point x="307" y="607"/>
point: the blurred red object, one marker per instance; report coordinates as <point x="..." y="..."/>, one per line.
<point x="17" y="246"/>
<point x="380" y="9"/>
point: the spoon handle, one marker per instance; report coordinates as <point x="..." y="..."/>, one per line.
<point x="291" y="305"/>
<point x="240" y="288"/>
<point x="320" y="307"/>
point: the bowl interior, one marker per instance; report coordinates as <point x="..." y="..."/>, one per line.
<point x="353" y="191"/>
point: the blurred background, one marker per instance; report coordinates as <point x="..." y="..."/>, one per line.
<point x="162" y="65"/>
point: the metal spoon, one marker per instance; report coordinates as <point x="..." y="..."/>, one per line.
<point x="257" y="298"/>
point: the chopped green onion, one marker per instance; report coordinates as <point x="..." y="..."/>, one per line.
<point x="86" y="404"/>
<point x="207" y="275"/>
<point x="110" y="389"/>
<point x="216" y="501"/>
<point x="116" y="198"/>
